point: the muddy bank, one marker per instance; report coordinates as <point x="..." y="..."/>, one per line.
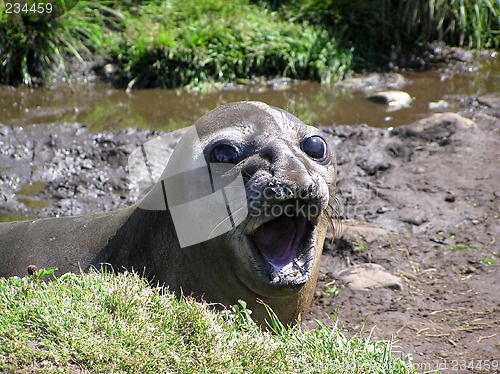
<point x="430" y="190"/>
<point x="62" y="169"/>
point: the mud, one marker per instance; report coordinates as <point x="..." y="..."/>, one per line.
<point x="432" y="187"/>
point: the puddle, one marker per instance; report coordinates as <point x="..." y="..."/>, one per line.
<point x="100" y="107"/>
<point x="31" y="189"/>
<point x="33" y="204"/>
<point x="4" y="217"/>
<point x="27" y="195"/>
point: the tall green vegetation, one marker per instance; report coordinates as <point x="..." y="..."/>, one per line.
<point x="178" y="43"/>
<point x="32" y="45"/>
<point x="469" y="23"/>
<point x="27" y="47"/>
<point x="378" y="28"/>
<point x="174" y="43"/>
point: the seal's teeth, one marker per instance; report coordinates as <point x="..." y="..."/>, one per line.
<point x="289" y="273"/>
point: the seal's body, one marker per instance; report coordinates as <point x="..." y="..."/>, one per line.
<point x="272" y="255"/>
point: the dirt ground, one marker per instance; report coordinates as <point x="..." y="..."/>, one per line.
<point x="431" y="192"/>
<point x="435" y="188"/>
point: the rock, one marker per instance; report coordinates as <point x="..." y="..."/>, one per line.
<point x="394" y="99"/>
<point x="358" y="233"/>
<point x="438" y="127"/>
<point x="279" y="84"/>
<point x="373" y="82"/>
<point x="488" y="122"/>
<point x="449" y="196"/>
<point x="110" y="69"/>
<point x="491" y="100"/>
<point x="367" y="277"/>
<point x="413" y="218"/>
<point x="371" y="166"/>
<point x="443" y="119"/>
<point x="439" y="105"/>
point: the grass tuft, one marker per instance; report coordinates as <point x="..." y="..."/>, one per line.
<point x="102" y="322"/>
<point x="32" y="46"/>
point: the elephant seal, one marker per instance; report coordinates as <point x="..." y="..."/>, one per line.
<point x="269" y="254"/>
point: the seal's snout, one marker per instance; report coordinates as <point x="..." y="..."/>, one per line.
<point x="285" y="193"/>
<point x="300" y="200"/>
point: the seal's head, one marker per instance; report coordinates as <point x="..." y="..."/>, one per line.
<point x="250" y="190"/>
<point x="289" y="177"/>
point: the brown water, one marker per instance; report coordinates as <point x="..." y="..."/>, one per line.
<point x="100" y="107"/>
<point x="27" y="194"/>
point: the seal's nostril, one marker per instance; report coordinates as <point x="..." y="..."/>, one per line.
<point x="286" y="193"/>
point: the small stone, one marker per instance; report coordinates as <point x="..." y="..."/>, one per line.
<point x="490" y="100"/>
<point x="413" y="218"/>
<point x="357" y="232"/>
<point x="395" y="99"/>
<point x="32" y="269"/>
<point x="87" y="164"/>
<point x="436" y="128"/>
<point x="367" y="277"/>
<point x="449" y="197"/>
<point x="439" y="105"/>
<point x="110" y="69"/>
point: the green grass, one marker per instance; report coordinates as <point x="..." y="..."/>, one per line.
<point x="33" y="46"/>
<point x="332" y="290"/>
<point x="100" y="322"/>
<point x="188" y="43"/>
<point x="490" y="260"/>
<point x="174" y="43"/>
<point x="459" y="247"/>
<point x="377" y="29"/>
<point x="360" y="248"/>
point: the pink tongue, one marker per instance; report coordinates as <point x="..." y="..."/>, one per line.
<point x="278" y="240"/>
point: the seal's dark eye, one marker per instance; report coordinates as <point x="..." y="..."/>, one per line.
<point x="224" y="153"/>
<point x="314" y="147"/>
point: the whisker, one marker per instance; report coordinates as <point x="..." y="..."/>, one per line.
<point x="333" y="216"/>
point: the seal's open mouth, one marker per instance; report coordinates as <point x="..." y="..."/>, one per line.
<point x="284" y="248"/>
<point x="279" y="240"/>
